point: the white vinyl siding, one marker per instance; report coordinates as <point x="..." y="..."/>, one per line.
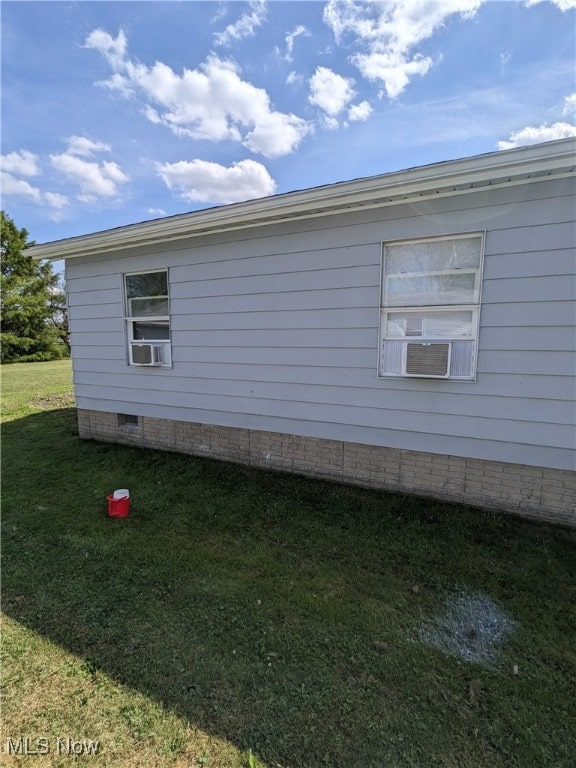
<point x="278" y="330"/>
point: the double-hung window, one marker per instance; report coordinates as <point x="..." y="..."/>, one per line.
<point x="430" y="307"/>
<point x="147" y="317"/>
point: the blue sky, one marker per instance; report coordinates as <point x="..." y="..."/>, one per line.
<point x="119" y="112"/>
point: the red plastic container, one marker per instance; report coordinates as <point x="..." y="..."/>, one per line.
<point x="118" y="507"/>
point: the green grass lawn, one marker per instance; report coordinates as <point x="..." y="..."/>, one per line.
<point x="240" y="618"/>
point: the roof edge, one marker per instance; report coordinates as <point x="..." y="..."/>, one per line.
<point x="495" y="169"/>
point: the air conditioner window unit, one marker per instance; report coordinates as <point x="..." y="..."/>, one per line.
<point x="147" y="354"/>
<point x="429" y="360"/>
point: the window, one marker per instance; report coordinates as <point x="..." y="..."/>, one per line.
<point x="430" y="306"/>
<point x="148" y="318"/>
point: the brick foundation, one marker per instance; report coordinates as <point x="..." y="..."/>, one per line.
<point x="534" y="492"/>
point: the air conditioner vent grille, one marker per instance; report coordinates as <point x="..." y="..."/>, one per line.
<point x="142" y="354"/>
<point x="428" y="359"/>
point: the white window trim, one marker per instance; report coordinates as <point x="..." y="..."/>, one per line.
<point x="385" y="309"/>
<point x="130" y="320"/>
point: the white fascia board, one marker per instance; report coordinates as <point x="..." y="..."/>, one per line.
<point x="504" y="168"/>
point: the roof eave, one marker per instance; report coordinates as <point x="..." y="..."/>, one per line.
<point x="496" y="169"/>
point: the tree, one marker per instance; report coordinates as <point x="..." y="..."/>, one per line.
<point x="32" y="304"/>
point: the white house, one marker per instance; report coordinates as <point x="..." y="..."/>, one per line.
<point x="413" y="331"/>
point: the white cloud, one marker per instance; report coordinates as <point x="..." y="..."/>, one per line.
<point x="329" y="91"/>
<point x="22" y="163"/>
<point x="294" y="77"/>
<point x="112" y="48"/>
<point x="275" y="134"/>
<point x="14" y="187"/>
<point x="245" y="26"/>
<point x="360" y="111"/>
<point x="94" y="179"/>
<point x="25" y="163"/>
<point x="152" y="115"/>
<point x="19" y="188"/>
<point x="291" y="36"/>
<point x="569" y="109"/>
<point x="564" y="5"/>
<point x="56" y="200"/>
<point x="201" y="181"/>
<point x="537" y="134"/>
<point x="392" y="70"/>
<point x="330" y="123"/>
<point x="388" y="33"/>
<point x="119" y="84"/>
<point x="85" y="147"/>
<point x="211" y="102"/>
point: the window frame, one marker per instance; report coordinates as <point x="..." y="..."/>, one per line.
<point x="387" y="309"/>
<point x="131" y="320"/>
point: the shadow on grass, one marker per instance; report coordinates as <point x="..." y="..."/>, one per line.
<point x="276" y="611"/>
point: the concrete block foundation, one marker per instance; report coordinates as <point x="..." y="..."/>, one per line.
<point x="538" y="493"/>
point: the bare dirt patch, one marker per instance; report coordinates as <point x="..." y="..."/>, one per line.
<point x="52" y="402"/>
<point x="472" y="627"/>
